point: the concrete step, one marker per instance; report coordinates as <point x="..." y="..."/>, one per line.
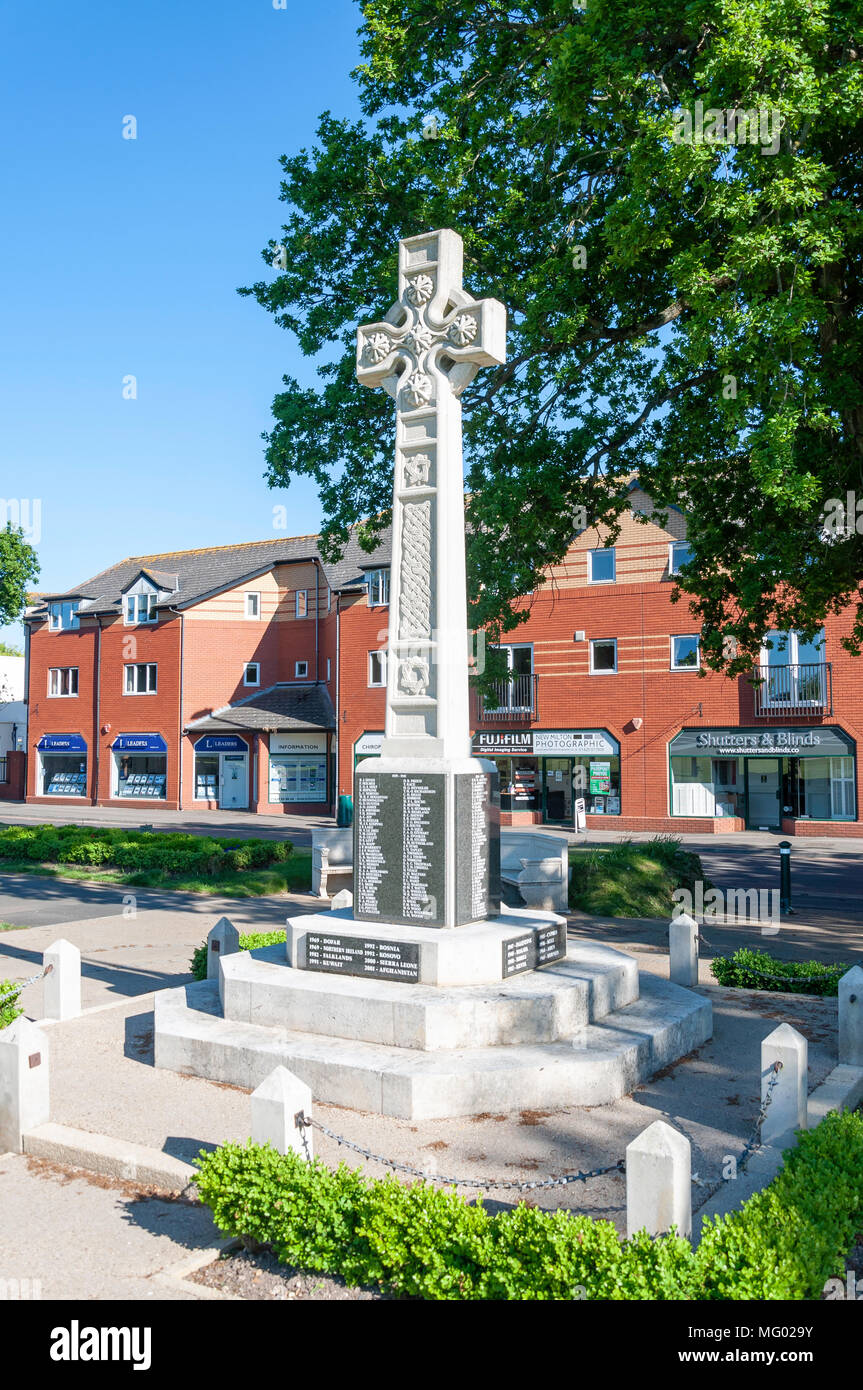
<point x="606" y="1060"/>
<point x="547" y="1005"/>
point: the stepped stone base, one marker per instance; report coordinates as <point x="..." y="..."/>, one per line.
<point x="583" y="1031"/>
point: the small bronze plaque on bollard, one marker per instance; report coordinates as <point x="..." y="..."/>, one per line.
<point x="35" y="1059"/>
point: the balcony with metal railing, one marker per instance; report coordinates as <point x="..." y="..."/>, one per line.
<point x="513" y="699"/>
<point x="793" y="690"/>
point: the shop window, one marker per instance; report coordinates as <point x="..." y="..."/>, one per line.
<point x="206" y="776"/>
<point x="301" y="670"/>
<point x="302" y="778"/>
<point x="302" y="603"/>
<point x="377" y="668"/>
<point x="679" y="553"/>
<point x="140" y="608"/>
<point x="602" y="566"/>
<point x="520" y="788"/>
<point x="603" y="656"/>
<point x="823" y="788"/>
<point x="63" y="680"/>
<point x="63" y="774"/>
<point x="141" y="775"/>
<point x="253" y="605"/>
<point x="379" y="588"/>
<point x="707" y="786"/>
<point x="685" y="653"/>
<point x="63" y="615"/>
<point x="140" y="678"/>
<point x="252" y="673"/>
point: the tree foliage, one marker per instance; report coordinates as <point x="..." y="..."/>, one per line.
<point x="686" y="309"/>
<point x="19" y="566"/>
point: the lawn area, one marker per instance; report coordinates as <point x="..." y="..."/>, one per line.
<point x="234" y="868"/>
<point x="631" y="880"/>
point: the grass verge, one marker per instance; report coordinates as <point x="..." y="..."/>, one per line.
<point x="631" y="880"/>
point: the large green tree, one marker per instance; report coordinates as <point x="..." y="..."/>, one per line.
<point x="685" y="308"/>
<point x="19" y="566"/>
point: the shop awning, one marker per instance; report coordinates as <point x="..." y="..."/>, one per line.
<point x="139" y="743"/>
<point x="61" y="743"/>
<point x="221" y="743"/>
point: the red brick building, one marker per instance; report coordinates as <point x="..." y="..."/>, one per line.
<point x="254" y="676"/>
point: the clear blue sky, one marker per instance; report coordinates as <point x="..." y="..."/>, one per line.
<point x="123" y="256"/>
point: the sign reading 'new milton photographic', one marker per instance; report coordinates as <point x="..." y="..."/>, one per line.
<point x="567" y="743"/>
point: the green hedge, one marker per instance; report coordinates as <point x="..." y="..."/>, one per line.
<point x="249" y="941"/>
<point x="747" y="970"/>
<point x="427" y="1242"/>
<point x="138" y="851"/>
<point x="9" y="1011"/>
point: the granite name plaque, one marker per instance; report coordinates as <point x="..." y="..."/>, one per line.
<point x="477" y="838"/>
<point x="366" y="956"/>
<point x="543" y="946"/>
<point x="400" y="848"/>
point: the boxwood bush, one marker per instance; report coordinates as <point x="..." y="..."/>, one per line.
<point x="138" y="851"/>
<point x="748" y="969"/>
<point x="426" y="1242"/>
<point x="249" y="941"/>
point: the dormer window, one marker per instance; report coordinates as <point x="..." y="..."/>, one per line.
<point x="379" y="588"/>
<point x="139" y="608"/>
<point x="63" y="615"/>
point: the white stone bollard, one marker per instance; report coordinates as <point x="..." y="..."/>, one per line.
<point x="344" y="898"/>
<point x="24" y="1096"/>
<point x="683" y="950"/>
<point x="275" y="1105"/>
<point x="851" y="1018"/>
<point x="63" y="986"/>
<point x="659" y="1181"/>
<point x="788" y="1105"/>
<point x="223" y="940"/>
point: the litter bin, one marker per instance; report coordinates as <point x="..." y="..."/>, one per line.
<point x="345" y="812"/>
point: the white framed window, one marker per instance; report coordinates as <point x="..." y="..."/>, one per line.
<point x="253" y="604"/>
<point x="679" y="553"/>
<point x="63" y="615"/>
<point x="685" y="653"/>
<point x="301" y="670"/>
<point x="252" y="673"/>
<point x="140" y="678"/>
<point x="603" y="656"/>
<point x="139" y="608"/>
<point x="602" y="565"/>
<point x="301" y="607"/>
<point x="63" y="680"/>
<point x="379" y="588"/>
<point x="377" y="668"/>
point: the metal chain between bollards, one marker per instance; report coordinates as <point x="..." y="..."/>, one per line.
<point x="13" y="993"/>
<point x="753" y="1143"/>
<point x="303" y="1122"/>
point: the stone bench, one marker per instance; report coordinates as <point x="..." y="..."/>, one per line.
<point x="536" y="863"/>
<point x="332" y="856"/>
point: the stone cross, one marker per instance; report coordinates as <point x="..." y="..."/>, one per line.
<point x="424" y="353"/>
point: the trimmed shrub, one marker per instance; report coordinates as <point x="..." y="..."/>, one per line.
<point x="138" y="851"/>
<point x="249" y="941"/>
<point x="747" y="969"/>
<point x="9" y="1009"/>
<point x="430" y="1243"/>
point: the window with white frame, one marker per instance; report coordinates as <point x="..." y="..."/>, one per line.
<point x="63" y="615"/>
<point x="302" y="603"/>
<point x="252" y="673"/>
<point x="301" y="670"/>
<point x="140" y="678"/>
<point x="602" y="565"/>
<point x="253" y="604"/>
<point x="63" y="680"/>
<point x="379" y="588"/>
<point x="679" y="553"/>
<point x="139" y="608"/>
<point x="377" y="668"/>
<point x="685" y="653"/>
<point x="603" y="656"/>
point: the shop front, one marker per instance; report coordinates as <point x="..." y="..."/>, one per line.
<point x="298" y="769"/>
<point x="140" y="767"/>
<point x="764" y="779"/>
<point x="222" y="771"/>
<point x="61" y="765"/>
<point x="543" y="772"/>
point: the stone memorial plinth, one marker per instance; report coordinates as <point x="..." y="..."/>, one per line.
<point x="426" y="998"/>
